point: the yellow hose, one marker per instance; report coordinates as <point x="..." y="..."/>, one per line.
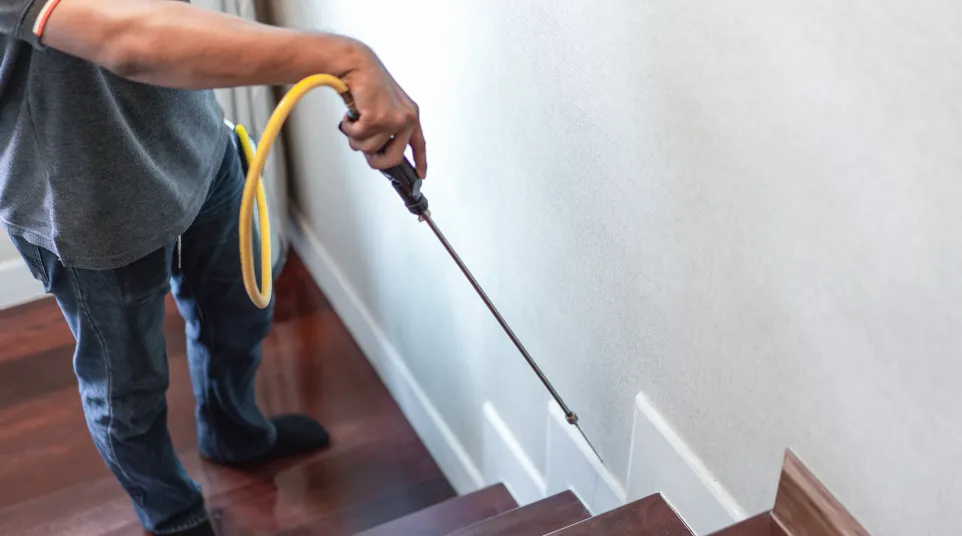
<point x="254" y="187"/>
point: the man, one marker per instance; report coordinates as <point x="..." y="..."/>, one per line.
<point x="115" y="149"/>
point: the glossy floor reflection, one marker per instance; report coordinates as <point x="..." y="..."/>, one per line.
<point x="55" y="483"/>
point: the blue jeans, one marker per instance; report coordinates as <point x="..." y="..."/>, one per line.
<point x="121" y="362"/>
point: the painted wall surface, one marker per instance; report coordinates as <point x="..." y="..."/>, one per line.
<point x="7" y="250"/>
<point x="17" y="284"/>
<point x="749" y="211"/>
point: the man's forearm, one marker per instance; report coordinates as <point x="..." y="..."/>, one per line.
<point x="175" y="44"/>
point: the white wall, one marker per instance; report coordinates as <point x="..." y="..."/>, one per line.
<point x="749" y="211"/>
<point x="7" y="250"/>
<point x="17" y="284"/>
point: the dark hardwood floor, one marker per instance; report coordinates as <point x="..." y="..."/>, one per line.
<point x="55" y="483"/>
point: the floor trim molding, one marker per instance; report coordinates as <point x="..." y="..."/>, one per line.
<point x="572" y="464"/>
<point x="506" y="461"/>
<point x="662" y="462"/>
<point x="424" y="417"/>
<point x="19" y="286"/>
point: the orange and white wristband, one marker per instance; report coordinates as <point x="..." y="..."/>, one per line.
<point x="43" y="17"/>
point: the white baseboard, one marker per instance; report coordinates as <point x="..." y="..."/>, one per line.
<point x="662" y="462"/>
<point x="18" y="284"/>
<point x="572" y="464"/>
<point x="424" y="417"/>
<point x="506" y="461"/>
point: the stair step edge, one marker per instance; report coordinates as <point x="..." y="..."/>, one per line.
<point x="535" y="519"/>
<point x="449" y="515"/>
<point x="761" y="525"/>
<point x="650" y="516"/>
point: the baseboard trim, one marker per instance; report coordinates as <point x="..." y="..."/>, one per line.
<point x="424" y="417"/>
<point x="19" y="286"/>
<point x="573" y="465"/>
<point x="506" y="461"/>
<point x="661" y="462"/>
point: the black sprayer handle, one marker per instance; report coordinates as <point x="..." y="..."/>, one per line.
<point x="404" y="177"/>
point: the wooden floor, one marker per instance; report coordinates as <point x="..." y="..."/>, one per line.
<point x="53" y="481"/>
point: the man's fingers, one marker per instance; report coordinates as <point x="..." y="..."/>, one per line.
<point x="393" y="153"/>
<point x="384" y="140"/>
<point x="371" y="145"/>
<point x="369" y="124"/>
<point x="419" y="148"/>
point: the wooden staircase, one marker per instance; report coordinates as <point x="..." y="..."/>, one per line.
<point x="802" y="508"/>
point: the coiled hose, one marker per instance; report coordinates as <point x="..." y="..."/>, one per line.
<point x="254" y="187"/>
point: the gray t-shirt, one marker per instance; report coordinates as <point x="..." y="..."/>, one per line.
<point x="96" y="168"/>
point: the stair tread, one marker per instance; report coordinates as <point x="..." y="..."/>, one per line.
<point x="651" y="516"/>
<point x="450" y="515"/>
<point x="535" y="519"/>
<point x="760" y="525"/>
<point x="347" y="519"/>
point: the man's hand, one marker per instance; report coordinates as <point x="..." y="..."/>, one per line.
<point x="175" y="44"/>
<point x="389" y="119"/>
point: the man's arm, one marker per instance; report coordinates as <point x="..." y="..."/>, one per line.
<point x="175" y="44"/>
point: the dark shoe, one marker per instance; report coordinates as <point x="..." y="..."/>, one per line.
<point x="206" y="529"/>
<point x="296" y="434"/>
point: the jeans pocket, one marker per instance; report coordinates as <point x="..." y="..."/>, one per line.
<point x="33" y="256"/>
<point x="147" y="278"/>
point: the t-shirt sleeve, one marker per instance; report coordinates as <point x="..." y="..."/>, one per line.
<point x="24" y="19"/>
